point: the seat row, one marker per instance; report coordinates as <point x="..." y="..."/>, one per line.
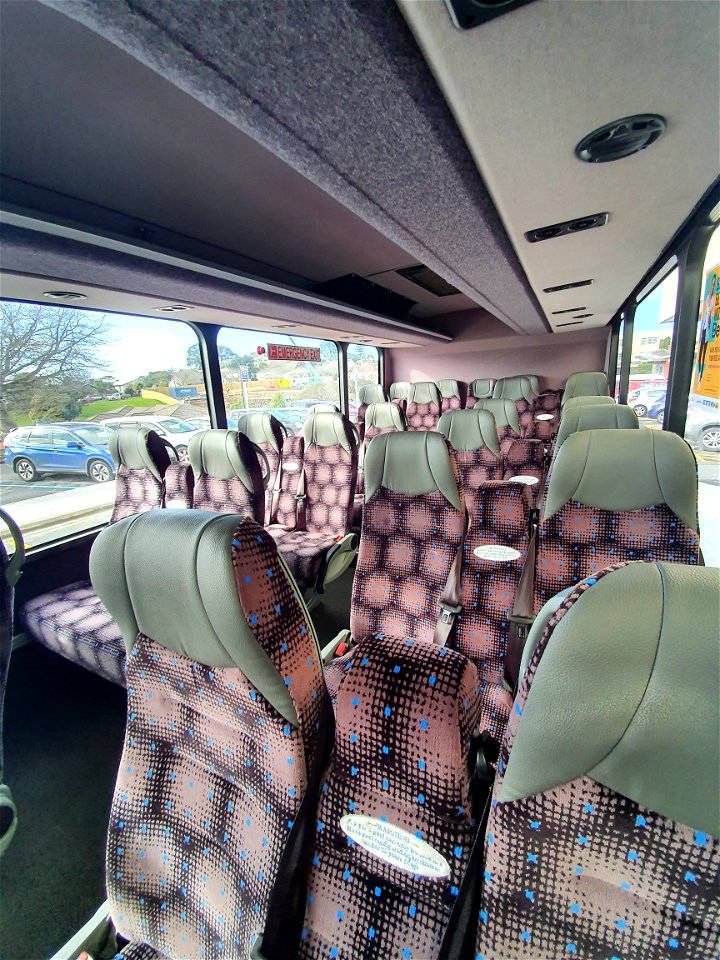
<point x="242" y="821"/>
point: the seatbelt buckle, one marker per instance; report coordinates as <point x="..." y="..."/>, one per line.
<point x="448" y="612"/>
<point x="523" y="624"/>
<point x="300" y="496"/>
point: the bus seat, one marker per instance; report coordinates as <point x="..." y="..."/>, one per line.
<point x="514" y="388"/>
<point x="379" y="418"/>
<point x="602" y="835"/>
<point x="450" y="396"/>
<point x="422" y="408"/>
<point x="534" y="382"/>
<point x="405" y="714"/>
<point x="10" y="572"/>
<point x="72" y="620"/>
<point x="616" y="495"/>
<point x="314" y="516"/>
<point x="522" y="457"/>
<point x="545" y="416"/>
<point x="474" y="447"/>
<point x="398" y="393"/>
<point x="591" y="401"/>
<point x="179" y="485"/>
<point x="225" y="692"/>
<point x="228" y="475"/>
<point x="598" y="416"/>
<point x="481" y="389"/>
<point x="266" y="432"/>
<point x="324" y="406"/>
<point x="494" y="552"/>
<point x="586" y="384"/>
<point x="367" y="394"/>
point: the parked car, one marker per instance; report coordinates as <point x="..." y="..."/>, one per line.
<point x="702" y="427"/>
<point x="176" y="431"/>
<point x="642" y="399"/>
<point x="60" y="448"/>
<point x="198" y="423"/>
<point x="657" y="410"/>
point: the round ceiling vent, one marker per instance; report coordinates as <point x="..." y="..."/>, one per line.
<point x="621" y="138"/>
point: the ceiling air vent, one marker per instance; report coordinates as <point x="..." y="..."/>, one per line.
<point x="569" y="310"/>
<point x="567" y="286"/>
<point x="566" y="227"/>
<point x="569" y="323"/>
<point x="467" y="14"/>
<point x="621" y="138"/>
<point x="429" y="280"/>
<point x="583" y="316"/>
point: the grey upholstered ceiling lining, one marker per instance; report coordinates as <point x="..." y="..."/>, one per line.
<point x="341" y="93"/>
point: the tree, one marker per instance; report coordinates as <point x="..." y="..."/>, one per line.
<point x="46" y="344"/>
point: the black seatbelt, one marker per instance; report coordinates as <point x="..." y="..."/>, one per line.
<point x="449" y="602"/>
<point x="288" y="898"/>
<point x="276" y="491"/>
<point x="522" y="615"/>
<point x="300" y="498"/>
<point x="461" y="932"/>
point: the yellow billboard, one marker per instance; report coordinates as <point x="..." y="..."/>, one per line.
<point x="706" y="379"/>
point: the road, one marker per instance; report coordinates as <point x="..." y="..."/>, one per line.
<point x="12" y="489"/>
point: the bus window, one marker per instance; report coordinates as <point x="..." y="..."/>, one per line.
<point x="651" y="349"/>
<point x="363" y="367"/>
<point x="283" y="375"/>
<point x="85" y="373"/>
<point x="702" y="425"/>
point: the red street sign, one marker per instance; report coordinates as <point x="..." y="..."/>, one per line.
<point x="279" y="351"/>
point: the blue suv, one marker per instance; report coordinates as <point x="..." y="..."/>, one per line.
<point x="60" y="448"/>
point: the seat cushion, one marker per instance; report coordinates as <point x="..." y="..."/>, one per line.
<point x="73" y="622"/>
<point x="302" y="551"/>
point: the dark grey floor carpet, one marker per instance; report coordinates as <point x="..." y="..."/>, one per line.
<point x="63" y="737"/>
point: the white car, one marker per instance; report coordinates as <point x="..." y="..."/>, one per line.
<point x="645" y="397"/>
<point x="177" y="432"/>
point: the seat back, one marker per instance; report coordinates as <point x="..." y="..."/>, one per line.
<point x="506" y="419"/>
<point x="450" y="397"/>
<point x="602" y="836"/>
<point x="142" y="459"/>
<point x="591" y="401"/>
<point x="412" y="528"/>
<point x="228" y="475"/>
<point x="599" y="416"/>
<point x="330" y="464"/>
<point x="480" y="389"/>
<point x="398" y="392"/>
<point x="324" y="406"/>
<point x="382" y="418"/>
<point x="616" y="495"/>
<point x="534" y="382"/>
<point x="514" y="388"/>
<point x="545" y="416"/>
<point x="367" y="394"/>
<point x="224" y="691"/>
<point x="422" y="409"/>
<point x="266" y="432"/>
<point x="586" y="384"/>
<point x="474" y="448"/>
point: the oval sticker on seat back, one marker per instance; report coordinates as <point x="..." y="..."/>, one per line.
<point x="496" y="552"/>
<point x="291" y="467"/>
<point x="521" y="478"/>
<point x="544" y="416"/>
<point x="395" y="846"/>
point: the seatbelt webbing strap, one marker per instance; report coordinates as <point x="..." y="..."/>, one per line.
<point x="276" y="491"/>
<point x="449" y="602"/>
<point x="522" y="615"/>
<point x="300" y="498"/>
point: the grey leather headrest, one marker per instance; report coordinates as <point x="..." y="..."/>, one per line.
<point x="626" y="693"/>
<point x="625" y="470"/>
<point x="139" y="448"/>
<point x="328" y="429"/>
<point x="225" y="454"/>
<point x="513" y="388"/>
<point x="371" y="393"/>
<point x="412" y="462"/>
<point x="587" y="383"/>
<point x="324" y="406"/>
<point x="399" y="390"/>
<point x="596" y="416"/>
<point x="448" y="388"/>
<point x="261" y="427"/>
<point x="384" y="416"/>
<point x="424" y="392"/>
<point x="534" y="382"/>
<point x="583" y="401"/>
<point x="470" y="430"/>
<point x="168" y="574"/>
<point x="482" y="388"/>
<point x="504" y="412"/>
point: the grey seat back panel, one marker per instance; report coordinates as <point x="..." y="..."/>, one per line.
<point x="169" y="575"/>
<point x="625" y="470"/>
<point x="470" y="430"/>
<point x="591" y="401"/>
<point x="384" y="416"/>
<point x="482" y="388"/>
<point x="423" y="392"/>
<point x="411" y="462"/>
<point x="586" y="383"/>
<point x="513" y="388"/>
<point x="225" y="454"/>
<point x="261" y="427"/>
<point x="448" y="388"/>
<point x="600" y="416"/>
<point x="371" y="393"/>
<point x="504" y="412"/>
<point x="328" y="429"/>
<point x="626" y="692"/>
<point x="139" y="448"/>
<point x="399" y="390"/>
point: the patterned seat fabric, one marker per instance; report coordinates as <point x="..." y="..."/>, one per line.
<point x="423" y="405"/>
<point x="545" y="416"/>
<point x="616" y="495"/>
<point x="72" y="620"/>
<point x="324" y="462"/>
<point x="398" y="393"/>
<point x="405" y="712"/>
<point x="224" y="693"/>
<point x="368" y="393"/>
<point x="179" y="485"/>
<point x="474" y="448"/>
<point x="412" y="528"/>
<point x="266" y="432"/>
<point x="494" y="552"/>
<point x="520" y="390"/>
<point x="451" y="398"/>
<point x="481" y="389"/>
<point x="228" y="476"/>
<point x="521" y="457"/>
<point x="602" y="836"/>
<point x="586" y="384"/>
